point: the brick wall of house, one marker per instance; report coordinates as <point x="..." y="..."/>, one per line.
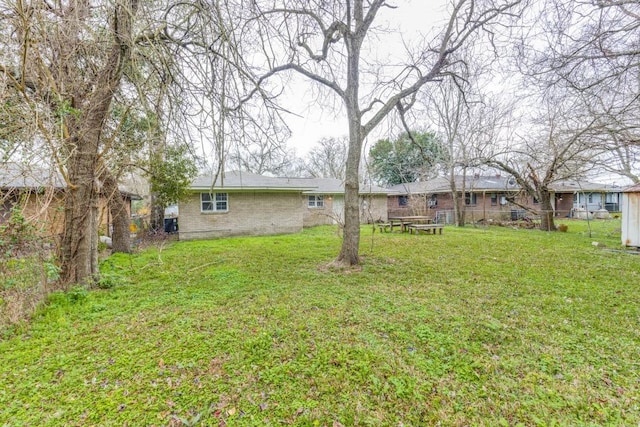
<point x="414" y="205"/>
<point x="44" y="210"/>
<point x="564" y="204"/>
<point x="482" y="208"/>
<point x="373" y="208"/>
<point x="249" y="214"/>
<point x="47" y="214"/>
<point x="314" y="216"/>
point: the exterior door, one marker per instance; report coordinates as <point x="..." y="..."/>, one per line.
<point x="338" y="209"/>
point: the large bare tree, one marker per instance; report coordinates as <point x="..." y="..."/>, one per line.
<point x="469" y="124"/>
<point x="556" y="145"/>
<point x="66" y="61"/>
<point x="617" y="112"/>
<point x="333" y="44"/>
<point x="589" y="48"/>
<point x="265" y="157"/>
<point x="327" y="158"/>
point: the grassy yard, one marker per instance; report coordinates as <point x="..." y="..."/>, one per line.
<point x="479" y="326"/>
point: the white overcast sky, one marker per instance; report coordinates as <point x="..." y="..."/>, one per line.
<point x="311" y="122"/>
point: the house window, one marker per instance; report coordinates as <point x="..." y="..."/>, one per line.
<point x="495" y="198"/>
<point x="214" y="202"/>
<point x="470" y="198"/>
<point x="590" y="198"/>
<point x="316" y="201"/>
<point x="433" y="200"/>
<point x="403" y="201"/>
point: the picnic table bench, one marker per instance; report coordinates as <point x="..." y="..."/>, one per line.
<point x="393" y="222"/>
<point x="426" y="228"/>
<point x="383" y="226"/>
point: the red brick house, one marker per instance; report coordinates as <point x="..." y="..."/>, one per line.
<point x="496" y="197"/>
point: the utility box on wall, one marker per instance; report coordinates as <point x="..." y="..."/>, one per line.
<point x="631" y="216"/>
<point x="171" y="225"/>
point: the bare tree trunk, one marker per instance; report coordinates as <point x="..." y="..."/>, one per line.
<point x="460" y="208"/>
<point x="79" y="254"/>
<point x="351" y="241"/>
<point x="455" y="198"/>
<point x="462" y="204"/>
<point x="458" y="198"/>
<point x="546" y="214"/>
<point x="454" y="194"/>
<point x="349" y="253"/>
<point x="121" y="236"/>
<point x="157" y="214"/>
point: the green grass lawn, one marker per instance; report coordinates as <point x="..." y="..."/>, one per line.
<point x="479" y="326"/>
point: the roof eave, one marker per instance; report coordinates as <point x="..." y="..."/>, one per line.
<point x="252" y="188"/>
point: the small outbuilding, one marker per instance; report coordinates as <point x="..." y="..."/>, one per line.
<point x="631" y="216"/>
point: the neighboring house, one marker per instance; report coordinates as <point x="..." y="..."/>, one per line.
<point x="631" y="216"/>
<point x="40" y="194"/>
<point x="576" y="196"/>
<point x="485" y="197"/>
<point x="493" y="197"/>
<point x="247" y="204"/>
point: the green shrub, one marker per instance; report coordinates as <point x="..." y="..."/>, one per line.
<point x="77" y="293"/>
<point x="109" y="280"/>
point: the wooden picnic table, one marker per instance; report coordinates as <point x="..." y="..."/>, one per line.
<point x="405" y="221"/>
